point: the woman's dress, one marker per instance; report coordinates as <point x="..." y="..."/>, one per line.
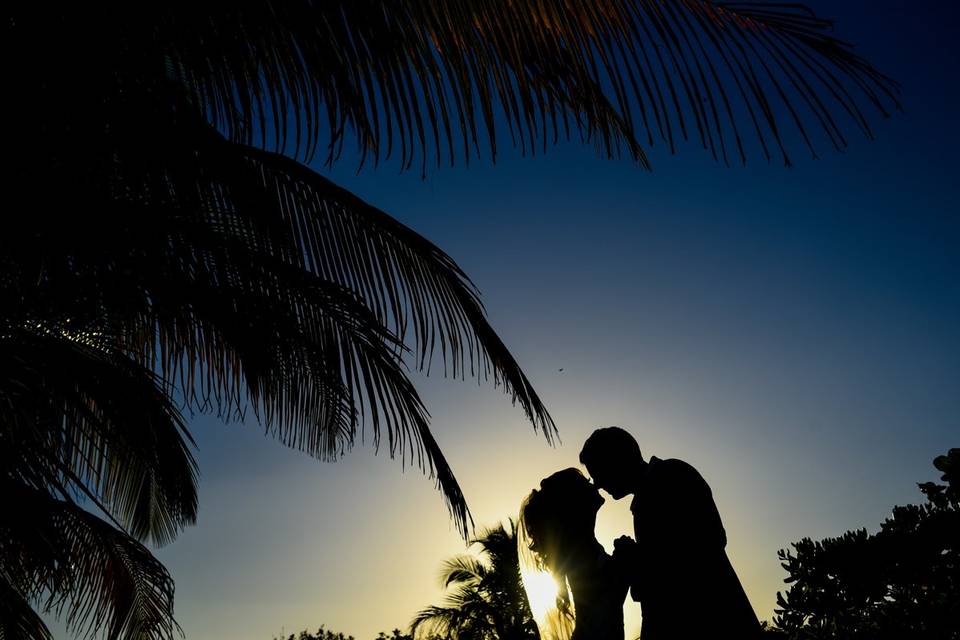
<point x="599" y="587"/>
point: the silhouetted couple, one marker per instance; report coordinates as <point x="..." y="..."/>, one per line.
<point x="676" y="567"/>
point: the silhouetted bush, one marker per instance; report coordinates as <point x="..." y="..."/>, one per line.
<point x="901" y="582"/>
<point x="322" y="633"/>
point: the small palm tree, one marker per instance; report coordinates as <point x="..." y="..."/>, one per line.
<point x="167" y="246"/>
<point x="485" y="599"/>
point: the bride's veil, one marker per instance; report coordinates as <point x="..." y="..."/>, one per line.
<point x="547" y="594"/>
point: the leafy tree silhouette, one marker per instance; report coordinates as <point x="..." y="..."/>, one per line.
<point x="901" y="582"/>
<point x="322" y="633"/>
<point x="170" y="243"/>
<point x="486" y="599"/>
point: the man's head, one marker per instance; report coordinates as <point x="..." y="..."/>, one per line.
<point x="613" y="460"/>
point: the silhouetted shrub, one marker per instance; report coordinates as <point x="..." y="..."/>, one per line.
<point x="322" y="633"/>
<point x="901" y="582"/>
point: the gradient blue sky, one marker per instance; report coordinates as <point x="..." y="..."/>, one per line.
<point x="791" y="333"/>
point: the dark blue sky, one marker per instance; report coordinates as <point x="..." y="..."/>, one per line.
<point x="790" y="332"/>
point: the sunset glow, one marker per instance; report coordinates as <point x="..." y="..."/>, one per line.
<point x="542" y="592"/>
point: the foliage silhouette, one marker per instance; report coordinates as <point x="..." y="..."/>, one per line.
<point x="164" y="248"/>
<point x="326" y="634"/>
<point x="901" y="582"/>
<point x="485" y="598"/>
<point x="395" y="634"/>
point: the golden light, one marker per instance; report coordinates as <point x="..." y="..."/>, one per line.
<point x="542" y="593"/>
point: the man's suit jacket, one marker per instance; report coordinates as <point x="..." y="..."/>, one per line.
<point x="683" y="579"/>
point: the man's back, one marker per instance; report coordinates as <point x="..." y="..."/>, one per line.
<point x="682" y="565"/>
<point x="674" y="508"/>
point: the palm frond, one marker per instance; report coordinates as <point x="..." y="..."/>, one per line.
<point x="99" y="578"/>
<point x="426" y="79"/>
<point x="226" y="298"/>
<point x="406" y="78"/>
<point x="434" y="620"/>
<point x="82" y="414"/>
<point x="462" y="569"/>
<point x="464" y="609"/>
<point x="409" y="282"/>
<point x="499" y="541"/>
<point x="247" y="280"/>
<point x="18" y="620"/>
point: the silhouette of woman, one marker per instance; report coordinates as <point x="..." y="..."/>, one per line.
<point x="556" y="534"/>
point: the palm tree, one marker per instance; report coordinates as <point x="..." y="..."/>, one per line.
<point x="167" y="247"/>
<point x="486" y="599"/>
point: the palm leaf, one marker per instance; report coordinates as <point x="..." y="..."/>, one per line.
<point x="411" y="284"/>
<point x="426" y="79"/>
<point x="18" y="620"/>
<point x="464" y="610"/>
<point x="81" y="414"/>
<point x="462" y="569"/>
<point x="100" y="578"/>
<point x="401" y="75"/>
<point x="248" y="281"/>
<point x="256" y="282"/>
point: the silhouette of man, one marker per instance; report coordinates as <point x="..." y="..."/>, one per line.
<point x="678" y="569"/>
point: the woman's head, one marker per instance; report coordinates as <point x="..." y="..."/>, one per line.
<point x="560" y="516"/>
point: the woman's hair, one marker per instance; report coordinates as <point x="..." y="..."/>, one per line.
<point x="557" y="514"/>
<point x="554" y="520"/>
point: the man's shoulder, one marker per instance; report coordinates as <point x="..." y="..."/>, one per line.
<point x="673" y="475"/>
<point x="672" y="468"/>
<point x="668" y="476"/>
